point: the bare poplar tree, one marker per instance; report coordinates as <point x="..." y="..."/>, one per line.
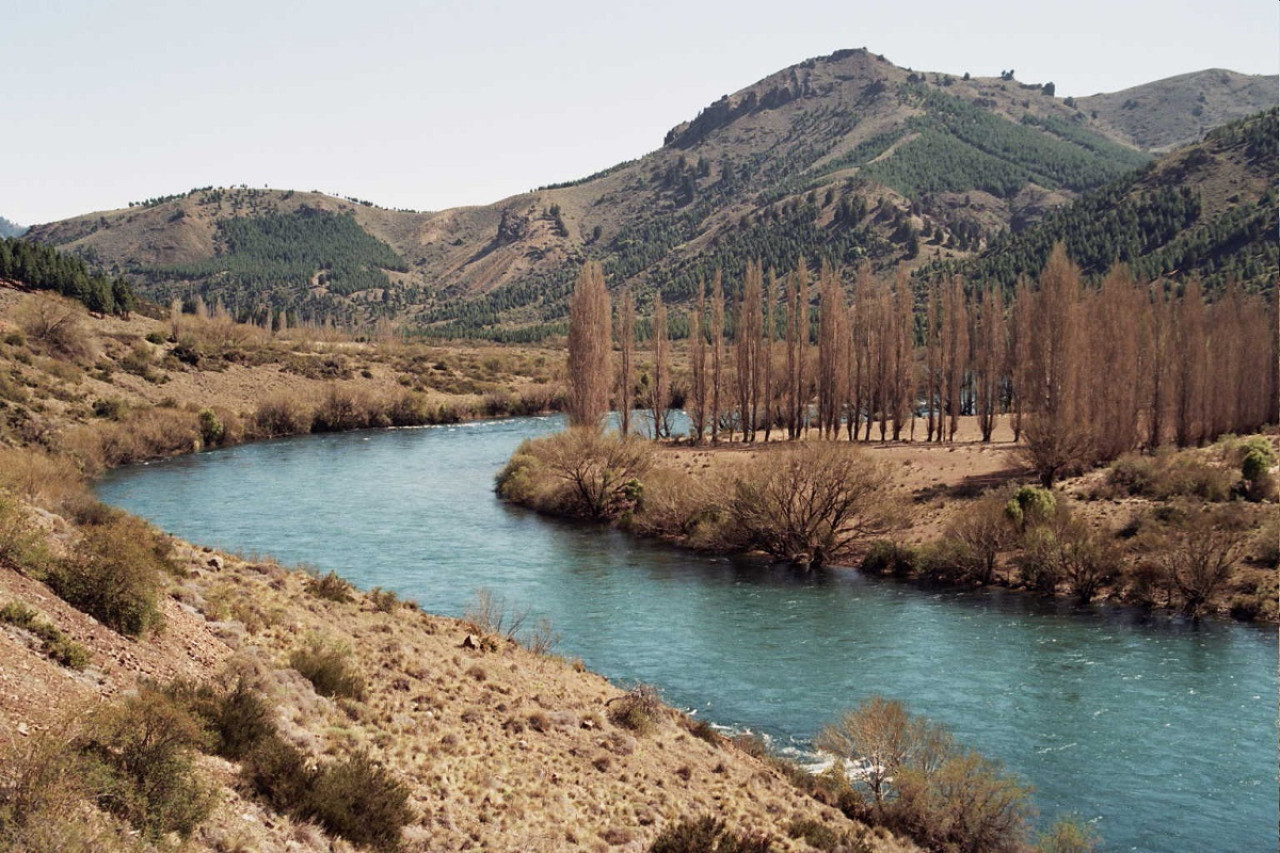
<point x="989" y="349"/>
<point x="1114" y="314"/>
<point x="750" y="329"/>
<point x="833" y="370"/>
<point x="933" y="363"/>
<point x="797" y="348"/>
<point x="1020" y="354"/>
<point x="1193" y="415"/>
<point x="860" y="354"/>
<point x="717" y="354"/>
<point x="626" y="357"/>
<point x="589" y="348"/>
<point x="902" y="328"/>
<point x="660" y="391"/>
<point x="1057" y="440"/>
<point x="955" y="335"/>
<point x="698" y="364"/>
<point x="770" y="332"/>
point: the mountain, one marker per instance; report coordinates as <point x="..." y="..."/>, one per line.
<point x="1207" y="210"/>
<point x="11" y="229"/>
<point x="845" y="157"/>
<point x="1167" y="113"/>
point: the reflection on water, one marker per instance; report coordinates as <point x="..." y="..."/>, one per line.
<point x="1161" y="731"/>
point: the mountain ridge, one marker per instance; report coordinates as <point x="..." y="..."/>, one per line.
<point x="845" y="156"/>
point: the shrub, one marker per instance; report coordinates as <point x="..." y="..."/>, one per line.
<point x="355" y="798"/>
<point x="56" y="644"/>
<point x="892" y="558"/>
<point x="277" y="771"/>
<point x="637" y="710"/>
<point x="807" y="504"/>
<point x="330" y="587"/>
<point x="1031" y="506"/>
<point x="212" y="430"/>
<point x="328" y="669"/>
<point x="984" y="529"/>
<point x="580" y="473"/>
<point x="360" y="800"/>
<point x="44" y="787"/>
<point x="1198" y="558"/>
<point x="283" y="414"/>
<point x="238" y="719"/>
<point x="384" y="600"/>
<point x="145" y="747"/>
<point x="916" y="780"/>
<point x="1068" y="835"/>
<point x="115" y="575"/>
<point x="55" y="325"/>
<point x="707" y="834"/>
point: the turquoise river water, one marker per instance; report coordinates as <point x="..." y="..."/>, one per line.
<point x="1159" y="732"/>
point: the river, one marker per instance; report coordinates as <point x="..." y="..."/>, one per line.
<point x="1162" y="734"/>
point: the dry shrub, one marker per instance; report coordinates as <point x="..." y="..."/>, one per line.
<point x="46" y="801"/>
<point x="343" y="408"/>
<point x="140" y="435"/>
<point x="1168" y="474"/>
<point x="283" y="414"/>
<point x="807" y="504"/>
<point x="330" y="587"/>
<point x="46" y="480"/>
<point x="917" y="780"/>
<point x="237" y="719"/>
<point x="678" y="505"/>
<point x="707" y="834"/>
<point x="638" y="710"/>
<point x="580" y="473"/>
<point x="984" y="528"/>
<point x="329" y="670"/>
<point x="55" y="325"/>
<point x="355" y="798"/>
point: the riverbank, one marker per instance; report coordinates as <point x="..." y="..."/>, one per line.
<point x="1180" y="531"/>
<point x="496" y="743"/>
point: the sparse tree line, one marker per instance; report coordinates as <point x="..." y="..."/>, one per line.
<point x="1084" y="374"/>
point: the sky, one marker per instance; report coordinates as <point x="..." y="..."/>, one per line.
<point x="440" y="103"/>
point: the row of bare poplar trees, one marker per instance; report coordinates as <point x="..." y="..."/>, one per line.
<point x="1084" y="373"/>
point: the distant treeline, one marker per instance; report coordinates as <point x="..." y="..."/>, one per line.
<point x="46" y="268"/>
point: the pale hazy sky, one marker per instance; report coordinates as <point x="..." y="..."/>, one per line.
<point x="427" y="105"/>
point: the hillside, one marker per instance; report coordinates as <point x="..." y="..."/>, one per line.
<point x="1162" y="115"/>
<point x="11" y="229"/>
<point x="1207" y="210"/>
<point x="494" y="744"/>
<point x="847" y="157"/>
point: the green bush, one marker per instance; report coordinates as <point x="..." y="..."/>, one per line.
<point x="360" y="800"/>
<point x="1031" y="506"/>
<point x="355" y="798"/>
<point x="143" y="752"/>
<point x="238" y="719"/>
<point x="329" y="670"/>
<point x="890" y="558"/>
<point x="115" y="575"/>
<point x="212" y="430"/>
<point x="56" y="644"/>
